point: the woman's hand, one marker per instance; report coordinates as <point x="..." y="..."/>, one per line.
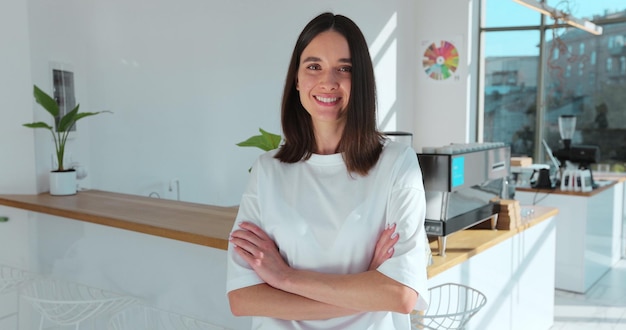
<point x="260" y="252"/>
<point x="384" y="246"/>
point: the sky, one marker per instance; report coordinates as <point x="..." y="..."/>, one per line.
<point x="524" y="43"/>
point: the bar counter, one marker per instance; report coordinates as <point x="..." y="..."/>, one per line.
<point x="607" y="181"/>
<point x="210" y="225"/>
<point x="589" y="230"/>
<point x="188" y="222"/>
<point x="465" y="244"/>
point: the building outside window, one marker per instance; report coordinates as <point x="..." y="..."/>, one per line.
<point x="593" y="58"/>
<point x="524" y="110"/>
<point x="581" y="68"/>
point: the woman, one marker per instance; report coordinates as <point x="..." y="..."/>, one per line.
<point x="330" y="230"/>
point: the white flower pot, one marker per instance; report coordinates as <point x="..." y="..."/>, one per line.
<point x="63" y="183"/>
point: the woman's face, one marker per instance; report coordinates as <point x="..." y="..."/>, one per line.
<point x="325" y="78"/>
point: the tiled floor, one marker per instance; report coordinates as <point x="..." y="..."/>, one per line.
<point x="602" y="307"/>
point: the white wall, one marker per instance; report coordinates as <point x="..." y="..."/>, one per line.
<point x="186" y="80"/>
<point x="17" y="153"/>
<point x="17" y="164"/>
<point x="213" y="72"/>
<point x="446" y="109"/>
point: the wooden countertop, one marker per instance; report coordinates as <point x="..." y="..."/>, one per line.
<point x="465" y="244"/>
<point x="615" y="180"/>
<point x="210" y="225"/>
<point x="194" y="223"/>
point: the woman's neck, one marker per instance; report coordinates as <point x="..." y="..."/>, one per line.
<point x="327" y="138"/>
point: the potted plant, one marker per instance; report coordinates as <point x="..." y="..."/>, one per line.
<point x="62" y="179"/>
<point x="266" y="141"/>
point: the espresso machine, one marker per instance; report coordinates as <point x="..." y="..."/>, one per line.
<point x="575" y="160"/>
<point x="462" y="182"/>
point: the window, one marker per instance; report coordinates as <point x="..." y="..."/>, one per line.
<point x="581" y="68"/>
<point x="515" y="55"/>
<point x="555" y="54"/>
<point x="593" y="58"/>
<point x="516" y="113"/>
<point x="63" y="82"/>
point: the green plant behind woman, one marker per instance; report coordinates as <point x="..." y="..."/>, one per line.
<point x="62" y="124"/>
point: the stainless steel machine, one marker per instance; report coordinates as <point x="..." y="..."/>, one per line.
<point x="461" y="182"/>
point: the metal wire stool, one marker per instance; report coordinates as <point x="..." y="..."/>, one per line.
<point x="451" y="307"/>
<point x="11" y="279"/>
<point x="67" y="303"/>
<point x="141" y="317"/>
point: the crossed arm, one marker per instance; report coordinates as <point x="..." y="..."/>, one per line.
<point x="306" y="295"/>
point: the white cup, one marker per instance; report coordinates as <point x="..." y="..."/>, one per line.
<point x="604" y="168"/>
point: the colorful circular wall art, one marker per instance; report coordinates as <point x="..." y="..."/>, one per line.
<point x="440" y="61"/>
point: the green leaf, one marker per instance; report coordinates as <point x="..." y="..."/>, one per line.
<point x="256" y="141"/>
<point x="39" y="124"/>
<point x="87" y="114"/>
<point x="273" y="139"/>
<point x="46" y="101"/>
<point x="72" y="117"/>
<point x="68" y="120"/>
<point x="266" y="141"/>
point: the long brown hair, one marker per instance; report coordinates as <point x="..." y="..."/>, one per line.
<point x="361" y="143"/>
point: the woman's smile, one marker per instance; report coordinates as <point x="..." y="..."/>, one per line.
<point x="327" y="100"/>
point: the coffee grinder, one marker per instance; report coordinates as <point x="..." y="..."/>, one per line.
<point x="575" y="159"/>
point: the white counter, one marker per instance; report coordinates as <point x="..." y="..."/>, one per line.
<point x="589" y="232"/>
<point x="516" y="275"/>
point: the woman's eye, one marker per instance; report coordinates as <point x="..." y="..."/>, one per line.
<point x="345" y="69"/>
<point x="313" y="67"/>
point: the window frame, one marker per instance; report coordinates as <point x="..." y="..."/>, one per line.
<point x="543" y="28"/>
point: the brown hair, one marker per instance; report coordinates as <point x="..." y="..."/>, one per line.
<point x="361" y="143"/>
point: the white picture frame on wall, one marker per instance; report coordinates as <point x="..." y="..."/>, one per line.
<point x="63" y="88"/>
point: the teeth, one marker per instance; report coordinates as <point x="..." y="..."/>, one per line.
<point x="327" y="99"/>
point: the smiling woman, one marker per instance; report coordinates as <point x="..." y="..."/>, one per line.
<point x="335" y="216"/>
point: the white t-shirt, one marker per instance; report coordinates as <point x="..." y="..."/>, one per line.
<point x="325" y="219"/>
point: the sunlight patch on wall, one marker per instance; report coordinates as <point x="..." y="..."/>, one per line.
<point x="384" y="54"/>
